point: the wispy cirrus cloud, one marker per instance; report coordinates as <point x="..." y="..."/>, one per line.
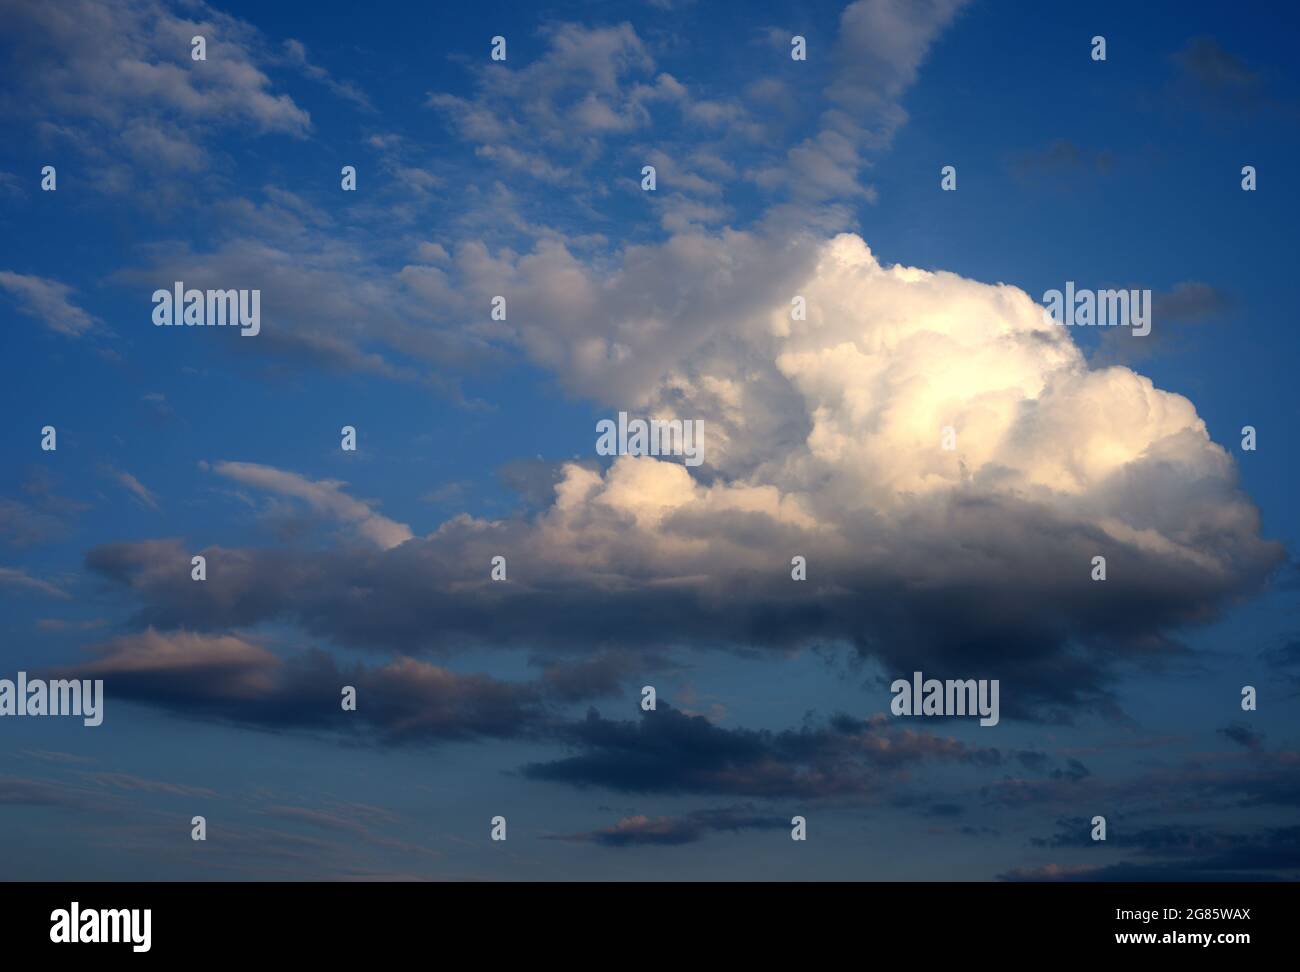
<point x="47" y="301"/>
<point x="645" y="831"/>
<point x="18" y="579"/>
<point x="322" y="496"/>
<point x="133" y="486"/>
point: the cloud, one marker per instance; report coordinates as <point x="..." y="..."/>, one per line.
<point x="1122" y="873"/>
<point x="881" y="46"/>
<point x="16" y="791"/>
<point x="1176" y="853"/>
<point x="234" y="680"/>
<point x="14" y="578"/>
<point x="822" y="438"/>
<point x="589" y="98"/>
<point x="329" y="300"/>
<point x="61" y="624"/>
<point x="44" y="516"/>
<point x="1173" y="312"/>
<point x="1061" y="161"/>
<point x="119" y="76"/>
<point x="323" y="496"/>
<point x="601" y="675"/>
<point x="54" y="756"/>
<point x="296" y="53"/>
<point x="237" y="681"/>
<point x="356" y="821"/>
<point x="134" y="487"/>
<point x="572" y="95"/>
<point x="125" y="781"/>
<point x="47" y="301"/>
<point x="877" y="54"/>
<point x="22" y="525"/>
<point x="670" y="752"/>
<point x="1284" y="656"/>
<point x="640" y="830"/>
<point x="1243" y="736"/>
<point x="1218" y="79"/>
<point x="1190" y="301"/>
<point x="337" y="302"/>
<point x="1225" y="782"/>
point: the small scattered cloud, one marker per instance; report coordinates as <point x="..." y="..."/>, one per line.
<point x="133" y="486"/>
<point x="47" y="301"/>
<point x="1217" y="79"/>
<point x="1243" y="736"/>
<point x="322" y="496"/>
<point x="641" y="831"/>
<point x="19" y="580"/>
<point x="1062" y="163"/>
<point x="1175" y="314"/>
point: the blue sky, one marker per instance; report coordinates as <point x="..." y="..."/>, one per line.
<point x="476" y="437"/>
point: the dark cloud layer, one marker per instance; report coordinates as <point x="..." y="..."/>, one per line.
<point x="640" y="831"/>
<point x="981" y="587"/>
<point x="668" y="751"/>
<point x="1173" y="852"/>
<point x="406" y="701"/>
<point x="1243" y="736"/>
<point x="230" y="679"/>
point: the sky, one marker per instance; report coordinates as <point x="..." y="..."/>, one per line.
<point x="825" y="437"/>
